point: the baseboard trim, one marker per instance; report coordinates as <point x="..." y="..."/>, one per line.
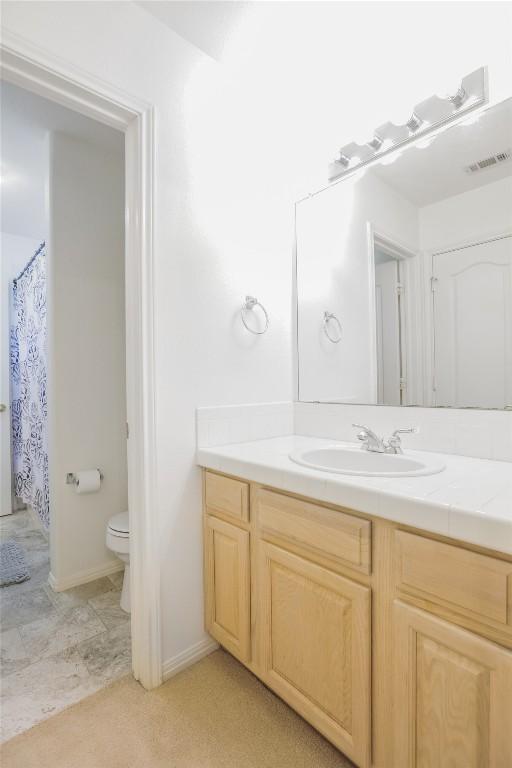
<point x="186" y="658"/>
<point x="84" y="577"/>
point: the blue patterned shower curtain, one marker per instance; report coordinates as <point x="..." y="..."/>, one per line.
<point x="29" y="410"/>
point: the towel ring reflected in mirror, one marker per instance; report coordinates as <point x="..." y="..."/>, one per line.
<point x="331" y="318"/>
<point x="248" y="306"/>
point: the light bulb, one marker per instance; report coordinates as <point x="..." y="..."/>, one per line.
<point x="424" y="143"/>
<point x="400" y="116"/>
<point x="472" y="119"/>
<point x="389" y="159"/>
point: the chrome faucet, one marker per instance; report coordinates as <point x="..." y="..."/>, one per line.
<point x="370" y="441"/>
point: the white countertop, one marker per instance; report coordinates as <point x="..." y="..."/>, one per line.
<point x="470" y="500"/>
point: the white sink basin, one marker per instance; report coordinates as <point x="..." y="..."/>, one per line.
<point x="354" y="461"/>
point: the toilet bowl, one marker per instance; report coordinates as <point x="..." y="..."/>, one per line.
<point x="118" y="541"/>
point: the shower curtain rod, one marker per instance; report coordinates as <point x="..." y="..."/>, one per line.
<point x="29" y="263"/>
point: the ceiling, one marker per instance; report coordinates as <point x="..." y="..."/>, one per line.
<point x="427" y="175"/>
<point x="26" y="120"/>
<point x="207" y="25"/>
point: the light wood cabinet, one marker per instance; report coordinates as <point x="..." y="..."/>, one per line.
<point x="315" y="643"/>
<point x="393" y="643"/>
<point x="227" y="586"/>
<point x="333" y="538"/>
<point x="468" y="582"/>
<point x="452" y="694"/>
<point x="226" y="496"/>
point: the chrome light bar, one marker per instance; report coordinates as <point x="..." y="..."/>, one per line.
<point x="425" y="117"/>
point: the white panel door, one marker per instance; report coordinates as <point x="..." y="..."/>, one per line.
<point x="388" y="332"/>
<point x="472" y="326"/>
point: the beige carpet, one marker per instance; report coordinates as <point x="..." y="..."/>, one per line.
<point x="213" y="715"/>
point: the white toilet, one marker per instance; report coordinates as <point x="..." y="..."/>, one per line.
<point x="118" y="541"/>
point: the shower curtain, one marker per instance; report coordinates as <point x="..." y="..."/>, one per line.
<point x="29" y="411"/>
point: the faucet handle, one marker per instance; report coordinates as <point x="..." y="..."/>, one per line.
<point x="406" y="431"/>
<point x="394" y="443"/>
<point x="364" y="434"/>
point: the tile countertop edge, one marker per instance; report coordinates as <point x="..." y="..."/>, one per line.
<point x="274" y="468"/>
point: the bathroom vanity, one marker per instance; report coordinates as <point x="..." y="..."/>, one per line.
<point x="372" y="590"/>
<point x="391" y="639"/>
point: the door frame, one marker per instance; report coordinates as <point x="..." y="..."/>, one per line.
<point x="37" y="71"/>
<point x="379" y="333"/>
<point x="411" y="319"/>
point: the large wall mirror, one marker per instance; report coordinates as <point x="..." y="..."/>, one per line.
<point x="404" y="274"/>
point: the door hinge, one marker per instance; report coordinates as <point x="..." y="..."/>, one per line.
<point x="403" y="384"/>
<point x="400" y="288"/>
<point x="127" y="430"/>
<point x="433" y="281"/>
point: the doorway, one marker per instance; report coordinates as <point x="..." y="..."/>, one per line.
<point x="42" y="74"/>
<point x="60" y="594"/>
<point x="393" y="276"/>
<point x="389" y="322"/>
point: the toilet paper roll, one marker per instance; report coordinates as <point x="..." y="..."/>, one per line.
<point x="88" y="481"/>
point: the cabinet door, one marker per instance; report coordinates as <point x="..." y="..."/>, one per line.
<point x="227" y="586"/>
<point x="315" y="643"/>
<point x="453" y="696"/>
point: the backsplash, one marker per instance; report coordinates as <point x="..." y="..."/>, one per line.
<point x="222" y="425"/>
<point x="481" y="434"/>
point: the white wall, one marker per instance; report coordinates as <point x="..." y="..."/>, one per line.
<point x="217" y="237"/>
<point x="334" y="273"/>
<point x="459" y="219"/>
<point x="235" y="144"/>
<point x="86" y="332"/>
<point x="16" y="251"/>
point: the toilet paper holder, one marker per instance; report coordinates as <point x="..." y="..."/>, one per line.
<point x="71" y="478"/>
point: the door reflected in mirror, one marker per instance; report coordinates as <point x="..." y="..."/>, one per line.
<point x="413" y="256"/>
<point x="388" y="318"/>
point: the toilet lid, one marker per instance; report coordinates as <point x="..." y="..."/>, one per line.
<point x="120" y="524"/>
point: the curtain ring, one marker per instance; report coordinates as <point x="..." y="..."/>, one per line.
<point x="328" y="317"/>
<point x="249" y="304"/>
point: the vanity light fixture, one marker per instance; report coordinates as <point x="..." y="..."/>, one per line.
<point x="426" y="117"/>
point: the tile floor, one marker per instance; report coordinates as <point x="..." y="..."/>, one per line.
<point x="55" y="647"/>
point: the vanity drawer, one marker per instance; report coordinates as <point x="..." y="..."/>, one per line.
<point x="227" y="496"/>
<point x="334" y="538"/>
<point x="454" y="577"/>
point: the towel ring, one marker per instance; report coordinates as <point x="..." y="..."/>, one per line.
<point x="328" y="317"/>
<point x="248" y="305"/>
